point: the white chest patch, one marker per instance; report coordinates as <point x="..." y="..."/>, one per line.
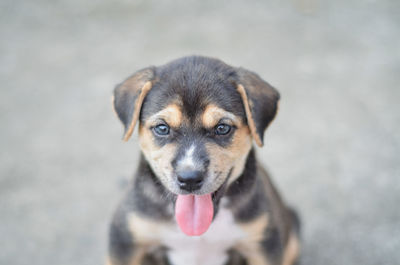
<point x="207" y="249"/>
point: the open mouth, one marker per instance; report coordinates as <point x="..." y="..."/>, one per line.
<point x="194" y="213"/>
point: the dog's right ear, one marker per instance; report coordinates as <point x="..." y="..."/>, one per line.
<point x="128" y="98"/>
<point x="260" y="102"/>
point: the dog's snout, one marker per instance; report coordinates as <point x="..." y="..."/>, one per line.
<point x="190" y="180"/>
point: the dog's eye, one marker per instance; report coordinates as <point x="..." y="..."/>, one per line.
<point x="161" y="129"/>
<point x="222" y="129"/>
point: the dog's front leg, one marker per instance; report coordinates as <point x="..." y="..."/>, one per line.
<point x="141" y="256"/>
<point x="276" y="252"/>
<point x="123" y="250"/>
<point x="137" y="257"/>
<point x="235" y="258"/>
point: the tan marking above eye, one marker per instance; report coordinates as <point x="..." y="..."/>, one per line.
<point x="172" y="115"/>
<point x="213" y="114"/>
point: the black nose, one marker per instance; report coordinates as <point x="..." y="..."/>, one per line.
<point x="190" y="180"/>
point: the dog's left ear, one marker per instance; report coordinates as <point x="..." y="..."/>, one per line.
<point x="128" y="98"/>
<point x="260" y="101"/>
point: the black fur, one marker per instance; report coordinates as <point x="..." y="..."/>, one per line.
<point x="263" y="99"/>
<point x="145" y="177"/>
<point x="126" y="94"/>
<point x="273" y="245"/>
<point x="197" y="82"/>
<point x="121" y="243"/>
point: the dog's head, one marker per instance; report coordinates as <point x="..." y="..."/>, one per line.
<point x="197" y="118"/>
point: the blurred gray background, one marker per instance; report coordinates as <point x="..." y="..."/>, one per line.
<point x="333" y="151"/>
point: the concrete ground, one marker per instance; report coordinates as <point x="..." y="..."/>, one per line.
<point x="334" y="149"/>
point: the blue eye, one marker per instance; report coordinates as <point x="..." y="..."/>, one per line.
<point x="222" y="129"/>
<point x="161" y="129"/>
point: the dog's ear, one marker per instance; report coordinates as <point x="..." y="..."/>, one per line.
<point x="260" y="101"/>
<point x="128" y="98"/>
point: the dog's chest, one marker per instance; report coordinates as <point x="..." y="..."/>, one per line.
<point x="210" y="248"/>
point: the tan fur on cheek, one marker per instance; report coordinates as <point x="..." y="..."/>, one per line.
<point x="223" y="159"/>
<point x="241" y="148"/>
<point x="159" y="158"/>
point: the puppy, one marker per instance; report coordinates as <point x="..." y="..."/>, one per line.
<point x="199" y="196"/>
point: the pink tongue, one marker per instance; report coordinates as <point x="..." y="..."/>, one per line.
<point x="194" y="213"/>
